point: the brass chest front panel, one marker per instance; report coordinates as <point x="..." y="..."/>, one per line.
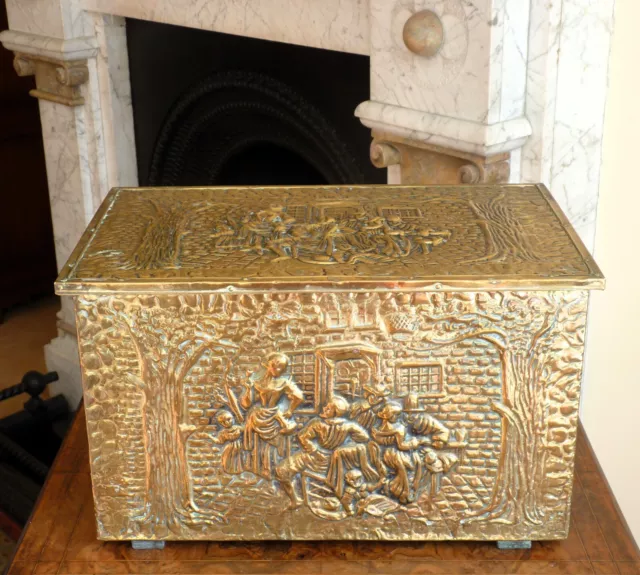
<point x="318" y="415"/>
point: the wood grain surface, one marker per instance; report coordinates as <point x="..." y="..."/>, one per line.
<point x="60" y="538"/>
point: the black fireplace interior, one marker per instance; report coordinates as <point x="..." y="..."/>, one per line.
<point x="216" y="109"/>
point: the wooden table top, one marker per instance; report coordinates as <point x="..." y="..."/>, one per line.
<point x="61" y="538"/>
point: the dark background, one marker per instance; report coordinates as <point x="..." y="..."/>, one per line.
<point x="165" y="61"/>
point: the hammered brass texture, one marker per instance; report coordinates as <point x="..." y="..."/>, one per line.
<point x="366" y="237"/>
<point x="320" y="415"/>
<point x="389" y="363"/>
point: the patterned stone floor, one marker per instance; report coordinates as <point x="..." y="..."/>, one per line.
<point x="458" y="495"/>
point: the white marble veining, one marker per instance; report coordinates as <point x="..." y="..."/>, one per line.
<point x="341" y="25"/>
<point x="113" y="101"/>
<point x="566" y="94"/>
<point x="402" y="78"/>
<point x="542" y="79"/>
<point x="510" y="53"/>
<point x="55" y="48"/>
<point x="40" y="17"/>
<point x="580" y="102"/>
<point x="459" y="134"/>
<point x="71" y="206"/>
<point x="331" y="24"/>
<point x="480" y="73"/>
<point x="73" y="146"/>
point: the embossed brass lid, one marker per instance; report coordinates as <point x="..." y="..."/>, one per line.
<point x="495" y="237"/>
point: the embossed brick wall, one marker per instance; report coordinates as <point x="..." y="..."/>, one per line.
<point x="115" y="422"/>
<point x="472" y="374"/>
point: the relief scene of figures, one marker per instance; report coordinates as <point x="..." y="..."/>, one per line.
<point x="332" y="416"/>
<point x="320" y="233"/>
<point x="351" y="459"/>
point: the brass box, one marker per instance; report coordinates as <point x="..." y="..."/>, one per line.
<point x="389" y="363"/>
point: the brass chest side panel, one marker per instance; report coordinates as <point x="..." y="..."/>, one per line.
<point x="323" y="416"/>
<point x="202" y="239"/>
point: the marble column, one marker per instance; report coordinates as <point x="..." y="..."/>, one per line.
<point x="567" y="67"/>
<point x="82" y="85"/>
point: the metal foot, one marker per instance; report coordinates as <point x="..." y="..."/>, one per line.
<point x="147" y="544"/>
<point x="505" y="545"/>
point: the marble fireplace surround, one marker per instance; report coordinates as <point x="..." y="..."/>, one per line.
<point x="515" y="92"/>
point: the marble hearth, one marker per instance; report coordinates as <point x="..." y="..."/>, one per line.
<point x="460" y="91"/>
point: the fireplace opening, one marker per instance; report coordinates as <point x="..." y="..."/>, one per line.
<point x="247" y="128"/>
<point x="216" y="109"/>
<point x="270" y="165"/>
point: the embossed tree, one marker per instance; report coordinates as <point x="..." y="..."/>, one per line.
<point x="170" y="335"/>
<point x="505" y="233"/>
<point x="539" y="338"/>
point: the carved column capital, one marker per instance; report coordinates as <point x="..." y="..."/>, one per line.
<point x="383" y="154"/>
<point x="59" y="65"/>
<point x="56" y="80"/>
<point x="422" y="164"/>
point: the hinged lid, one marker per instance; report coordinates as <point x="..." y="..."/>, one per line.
<point x="361" y="237"/>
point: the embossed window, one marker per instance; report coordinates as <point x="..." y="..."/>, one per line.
<point x="407" y="213"/>
<point x="298" y="212"/>
<point x="340" y="212"/>
<point x="365" y="316"/>
<point x="364" y="312"/>
<point x="423" y="379"/>
<point x="303" y="370"/>
<point x="334" y="314"/>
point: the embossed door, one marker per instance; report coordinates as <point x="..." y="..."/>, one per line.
<point x="344" y="368"/>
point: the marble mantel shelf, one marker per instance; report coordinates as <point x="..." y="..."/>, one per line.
<point x="341" y="25"/>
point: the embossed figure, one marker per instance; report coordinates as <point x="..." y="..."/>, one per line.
<point x="365" y="411"/>
<point x="359" y="496"/>
<point x="233" y="455"/>
<point x="399" y="454"/>
<point x="355" y="239"/>
<point x="397" y="234"/>
<point x="426" y="239"/>
<point x="251" y="233"/>
<point x="267" y="424"/>
<point x="347" y="238"/>
<point x="281" y="241"/>
<point x="224" y="236"/>
<point x="325" y="451"/>
<point x="424" y="424"/>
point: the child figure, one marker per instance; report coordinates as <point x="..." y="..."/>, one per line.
<point x="233" y="455"/>
<point x="359" y="498"/>
<point x="354" y="491"/>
